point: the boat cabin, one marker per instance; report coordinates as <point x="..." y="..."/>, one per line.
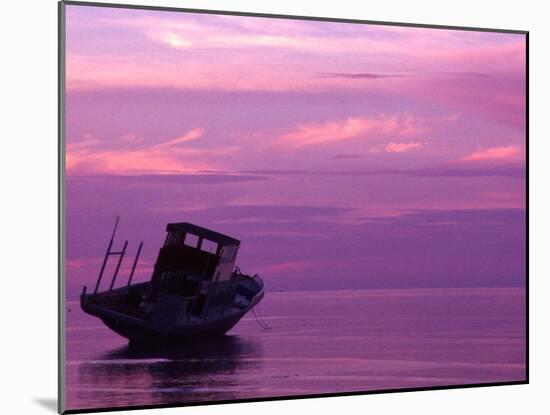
<point x="192" y="254"/>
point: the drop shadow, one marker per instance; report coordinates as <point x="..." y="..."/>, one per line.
<point x="48" y="403"/>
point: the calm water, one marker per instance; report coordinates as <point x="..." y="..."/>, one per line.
<point x="318" y="342"/>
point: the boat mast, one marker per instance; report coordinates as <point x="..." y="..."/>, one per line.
<point x="135" y="263"/>
<point x="107" y="254"/>
<point x="121" y="255"/>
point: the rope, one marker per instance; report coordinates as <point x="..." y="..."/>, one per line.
<point x="259" y="318"/>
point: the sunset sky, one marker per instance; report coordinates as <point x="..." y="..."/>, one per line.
<point x="341" y="155"/>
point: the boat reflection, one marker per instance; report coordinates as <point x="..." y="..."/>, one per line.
<point x="181" y="373"/>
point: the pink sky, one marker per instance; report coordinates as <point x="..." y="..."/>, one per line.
<point x="342" y="155"/>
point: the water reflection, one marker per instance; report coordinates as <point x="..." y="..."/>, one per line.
<point x="190" y="372"/>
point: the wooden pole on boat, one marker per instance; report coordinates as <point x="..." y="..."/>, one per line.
<point x="121" y="255"/>
<point x="135" y="263"/>
<point x="106" y="256"/>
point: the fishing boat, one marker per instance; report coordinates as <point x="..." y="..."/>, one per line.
<point x="195" y="290"/>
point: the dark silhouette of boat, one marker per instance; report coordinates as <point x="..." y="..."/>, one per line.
<point x="195" y="290"/>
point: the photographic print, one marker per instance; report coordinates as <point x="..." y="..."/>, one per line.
<point x="259" y="207"/>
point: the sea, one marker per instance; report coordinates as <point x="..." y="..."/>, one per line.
<point x="313" y="342"/>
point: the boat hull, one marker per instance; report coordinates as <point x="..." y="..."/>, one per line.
<point x="147" y="330"/>
<point x="143" y="334"/>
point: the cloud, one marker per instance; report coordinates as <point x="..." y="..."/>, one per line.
<point x="270" y="213"/>
<point x="190" y="136"/>
<point x="516" y="170"/>
<point x="478" y="72"/>
<point x="127" y="138"/>
<point x="511" y="152"/>
<point x="171" y="178"/>
<point x="469" y="74"/>
<point x="174" y="40"/>
<point x="87" y="157"/>
<point x="466" y="217"/>
<point x="197" y="37"/>
<point x="351" y="128"/>
<point x="403" y="147"/>
<point x="290" y="267"/>
<point x="86" y="142"/>
<point x="360" y="75"/>
<point x="130" y="162"/>
<point x="509" y="170"/>
<point x="345" y="156"/>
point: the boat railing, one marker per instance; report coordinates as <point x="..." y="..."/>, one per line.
<point x="120" y="255"/>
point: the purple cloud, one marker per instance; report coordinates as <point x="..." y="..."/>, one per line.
<point x="359" y="75"/>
